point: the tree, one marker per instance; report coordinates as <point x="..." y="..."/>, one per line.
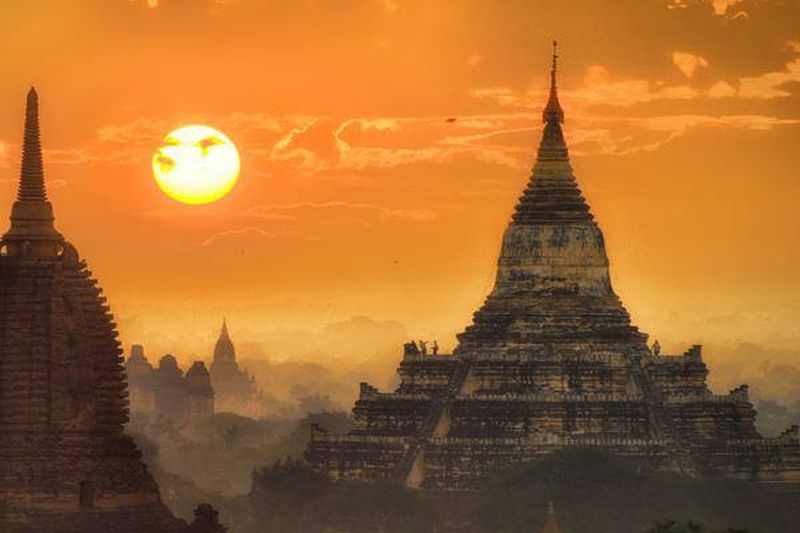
<point x="206" y="520"/>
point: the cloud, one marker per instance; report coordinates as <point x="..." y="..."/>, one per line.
<point x="773" y="84"/>
<point x="329" y="147"/>
<point x="286" y="149"/>
<point x="688" y="63"/>
<point x="390" y="5"/>
<point x="281" y="212"/>
<point x="647" y="134"/>
<point x="504" y="96"/>
<point x="601" y="87"/>
<point x="475" y="60"/>
<point x="721" y="89"/>
<point x="5" y="155"/>
<point x="238" y="231"/>
<point x="385" y="213"/>
<point x="721" y="8"/>
<point x="154" y="4"/>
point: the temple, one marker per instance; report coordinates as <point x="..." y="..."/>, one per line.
<point x="551" y="360"/>
<point x="65" y="462"/>
<point x="165" y="391"/>
<point x="235" y="389"/>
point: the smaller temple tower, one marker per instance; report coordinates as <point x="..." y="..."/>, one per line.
<point x="167" y="391"/>
<point x="141" y="385"/>
<point x="224" y="350"/>
<point x="199" y="392"/>
<point x="234" y="387"/>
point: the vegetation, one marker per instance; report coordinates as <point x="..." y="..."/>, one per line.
<point x="592" y="492"/>
<point x="689" y="527"/>
<point x="289" y="496"/>
<point x="237" y="444"/>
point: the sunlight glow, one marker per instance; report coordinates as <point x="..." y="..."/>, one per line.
<point x="196" y="164"/>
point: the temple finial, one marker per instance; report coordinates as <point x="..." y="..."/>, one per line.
<point x="31" y="178"/>
<point x="552" y="111"/>
<point x="224" y="331"/>
<point x="32" y="233"/>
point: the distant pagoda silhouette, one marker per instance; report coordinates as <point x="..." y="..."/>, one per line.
<point x="233" y="386"/>
<point x="551" y="360"/>
<point x="65" y="463"/>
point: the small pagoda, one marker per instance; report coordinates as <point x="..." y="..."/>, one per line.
<point x="66" y="464"/>
<point x="551" y="360"/>
<point x="234" y="387"/>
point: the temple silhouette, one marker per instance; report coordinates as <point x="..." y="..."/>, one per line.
<point x="166" y="392"/>
<point x="234" y="387"/>
<point x="66" y="464"/>
<point x="551" y="360"/>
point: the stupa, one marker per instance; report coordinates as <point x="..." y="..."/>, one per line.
<point x="66" y="464"/>
<point x="551" y="360"/>
<point x="234" y="387"/>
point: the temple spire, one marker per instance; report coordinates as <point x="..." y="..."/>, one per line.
<point x="552" y="111"/>
<point x="224" y="351"/>
<point x="31" y="177"/>
<point x="552" y="196"/>
<point x="32" y="233"/>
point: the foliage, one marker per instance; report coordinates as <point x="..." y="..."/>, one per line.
<point x="206" y="520"/>
<point x="288" y="484"/>
<point x="596" y="491"/>
<point x="289" y="496"/>
<point x="671" y="526"/>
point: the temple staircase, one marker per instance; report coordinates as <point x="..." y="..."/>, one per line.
<point x="408" y="470"/>
<point x="662" y="423"/>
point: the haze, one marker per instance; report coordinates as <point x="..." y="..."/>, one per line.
<point x="384" y="144"/>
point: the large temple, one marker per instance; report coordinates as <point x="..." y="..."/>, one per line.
<point x="66" y="464"/>
<point x="551" y="360"/>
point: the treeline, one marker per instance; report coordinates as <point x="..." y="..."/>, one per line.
<point x="592" y="491"/>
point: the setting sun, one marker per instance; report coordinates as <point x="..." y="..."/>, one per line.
<point x="196" y="165"/>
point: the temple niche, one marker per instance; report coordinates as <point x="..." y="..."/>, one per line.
<point x="235" y="389"/>
<point x="165" y="391"/>
<point x="552" y="360"/>
<point x="66" y="463"/>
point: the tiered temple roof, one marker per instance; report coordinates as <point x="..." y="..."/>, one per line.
<point x="65" y="462"/>
<point x="551" y="360"/>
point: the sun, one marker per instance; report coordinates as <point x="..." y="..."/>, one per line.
<point x="196" y="164"/>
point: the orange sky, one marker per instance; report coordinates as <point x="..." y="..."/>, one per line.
<point x="357" y="196"/>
